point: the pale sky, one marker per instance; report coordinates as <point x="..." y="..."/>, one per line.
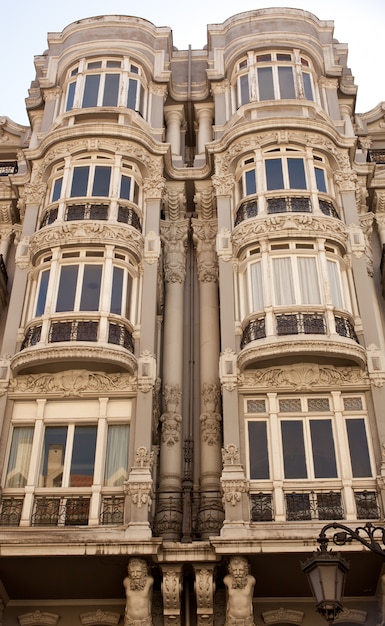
<point x="25" y="24"/>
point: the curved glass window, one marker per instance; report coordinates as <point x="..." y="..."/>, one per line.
<point x="106" y="83"/>
<point x="274" y="76"/>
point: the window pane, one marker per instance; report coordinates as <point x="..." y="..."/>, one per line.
<point x="131" y="96"/>
<point x="286" y="83"/>
<point x="101" y="186"/>
<point x="251" y="183"/>
<point x="297" y="179"/>
<point x="67" y="288"/>
<point x="308" y="280"/>
<point x="51" y="472"/>
<point x="256" y="287"/>
<point x="92" y="278"/>
<point x="111" y="90"/>
<point x="358" y="446"/>
<point x="308" y="87"/>
<point x="79" y="181"/>
<point x="83" y="456"/>
<point x="283" y="281"/>
<point x="274" y="176"/>
<point x="335" y="284"/>
<point x="244" y="87"/>
<point x="56" y="191"/>
<point x="117" y="455"/>
<point x="91" y="89"/>
<point x="125" y="186"/>
<point x="320" y="179"/>
<point x="265" y="83"/>
<point x="294" y="459"/>
<point x="324" y="457"/>
<point x="70" y="96"/>
<point x="116" y="292"/>
<point x="19" y="457"/>
<point x="259" y="456"/>
<point x="40" y="305"/>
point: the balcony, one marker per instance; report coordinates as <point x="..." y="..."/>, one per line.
<point x="8" y="168"/>
<point x="273" y="204"/>
<point x="317" y="333"/>
<point x="376" y="155"/>
<point x="102" y="341"/>
<point x="93" y="211"/>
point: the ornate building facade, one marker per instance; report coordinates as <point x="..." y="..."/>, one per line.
<point x="193" y="324"/>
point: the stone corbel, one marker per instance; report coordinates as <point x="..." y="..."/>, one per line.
<point x="224" y="245"/>
<point x="146" y="372"/>
<point x="151" y="248"/>
<point x="204" y="592"/>
<point x="233" y="490"/>
<point x="22" y="258"/>
<point x="228" y="369"/>
<point x="376" y="365"/>
<point x="171" y="591"/>
<point x="280" y="616"/>
<point x="357" y="240"/>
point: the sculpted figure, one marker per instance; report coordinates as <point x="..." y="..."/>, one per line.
<point x="138" y="585"/>
<point x="239" y="591"/>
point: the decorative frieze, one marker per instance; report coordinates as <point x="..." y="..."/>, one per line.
<point x="204" y="239"/>
<point x="38" y="618"/>
<point x="210" y="419"/>
<point x="105" y="618"/>
<point x="34" y="193"/>
<point x="154" y="187"/>
<point x="283" y="616"/>
<point x="174" y="237"/>
<point x="223" y="185"/>
<point x="346" y="179"/>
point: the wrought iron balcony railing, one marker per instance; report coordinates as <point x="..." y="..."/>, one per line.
<point x="254" y="330"/>
<point x="120" y="336"/>
<point x="73" y="330"/>
<point x="10" y="510"/>
<point x="328" y="208"/>
<point x="301" y="323"/>
<point x="32" y="337"/>
<point x="112" y="510"/>
<point x="246" y="211"/>
<point x="97" y="211"/>
<point x="309" y="506"/>
<point x="262" y="507"/>
<point x="289" y="204"/>
<point x="366" y="505"/>
<point x="8" y="167"/>
<point x="376" y="155"/>
<point x="345" y="328"/>
<point x="86" y="212"/>
<point x="127" y="215"/>
<point x="56" y="511"/>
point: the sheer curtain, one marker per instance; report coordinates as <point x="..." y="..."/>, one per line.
<point x="283" y="281"/>
<point x="335" y="285"/>
<point x="256" y="286"/>
<point x="19" y="457"/>
<point x="117" y="455"/>
<point x="308" y="280"/>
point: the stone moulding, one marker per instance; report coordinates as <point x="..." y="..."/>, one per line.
<point x="38" y="618"/>
<point x="100" y="617"/>
<point x="283" y="616"/>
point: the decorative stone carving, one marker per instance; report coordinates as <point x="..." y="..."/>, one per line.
<point x="73" y="383"/>
<point x="34" y="193"/>
<point x="328" y="83"/>
<point x="228" y="369"/>
<point x="230" y="454"/>
<point x="210" y="419"/>
<point x="223" y="185"/>
<point x="220" y="87"/>
<point x="175" y="201"/>
<point x="352" y="615"/>
<point x="233" y="490"/>
<point x="82" y="232"/>
<point x="306" y="376"/>
<point x="138" y="586"/>
<point x="224" y="247"/>
<point x="22" y="257"/>
<point x="174" y="237"/>
<point x="171" y="591"/>
<point x="204" y="591"/>
<point x="143" y="458"/>
<point x="53" y="93"/>
<point x="240" y="589"/>
<point x="346" y="179"/>
<point x="171" y="420"/>
<point x="140" y="492"/>
<point x="361" y="196"/>
<point x="304" y="224"/>
<point x="366" y="223"/>
<point x="158" y="89"/>
<point x="283" y="616"/>
<point x="154" y="187"/>
<point x="204" y="201"/>
<point x="204" y="239"/>
<point x="146" y="372"/>
<point x="38" y="618"/>
<point x="106" y="618"/>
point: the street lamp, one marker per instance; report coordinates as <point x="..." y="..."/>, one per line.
<point x="326" y="570"/>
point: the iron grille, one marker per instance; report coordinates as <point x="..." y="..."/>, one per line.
<point x="49" y="217"/>
<point x="246" y="211"/>
<point x="61" y="511"/>
<point x="261" y="507"/>
<point x="301" y="323"/>
<point x="327" y="208"/>
<point x="345" y="328"/>
<point x="377" y="155"/>
<point x="126" y="215"/>
<point x="10" y="511"/>
<point x="112" y="510"/>
<point x="32" y="337"/>
<point x="8" y="167"/>
<point x="86" y="212"/>
<point x="254" y="330"/>
<point x="73" y="331"/>
<point x="366" y="505"/>
<point x="120" y="336"/>
<point x="289" y="205"/>
<point x="308" y="506"/>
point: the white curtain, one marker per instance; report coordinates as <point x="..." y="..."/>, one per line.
<point x="117" y="455"/>
<point x="256" y="287"/>
<point x="335" y="285"/>
<point x="19" y="457"/>
<point x="283" y="281"/>
<point x="308" y="280"/>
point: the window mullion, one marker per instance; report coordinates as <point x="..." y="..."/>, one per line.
<point x="79" y="286"/>
<point x="308" y="448"/>
<point x="68" y="455"/>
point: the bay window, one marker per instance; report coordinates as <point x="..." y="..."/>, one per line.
<point x="19" y="457"/>
<point x="106" y="83"/>
<point x="116" y="465"/>
<point x="295" y="280"/>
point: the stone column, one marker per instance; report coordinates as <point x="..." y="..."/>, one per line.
<point x="6" y="234"/>
<point x="234" y="484"/>
<point x="204" y="116"/>
<point x="329" y="88"/>
<point x="139" y="486"/>
<point x="221" y="93"/>
<point x="51" y="99"/>
<point x="211" y="514"/>
<point x="174" y="120"/>
<point x="169" y="510"/>
<point x="157" y="94"/>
